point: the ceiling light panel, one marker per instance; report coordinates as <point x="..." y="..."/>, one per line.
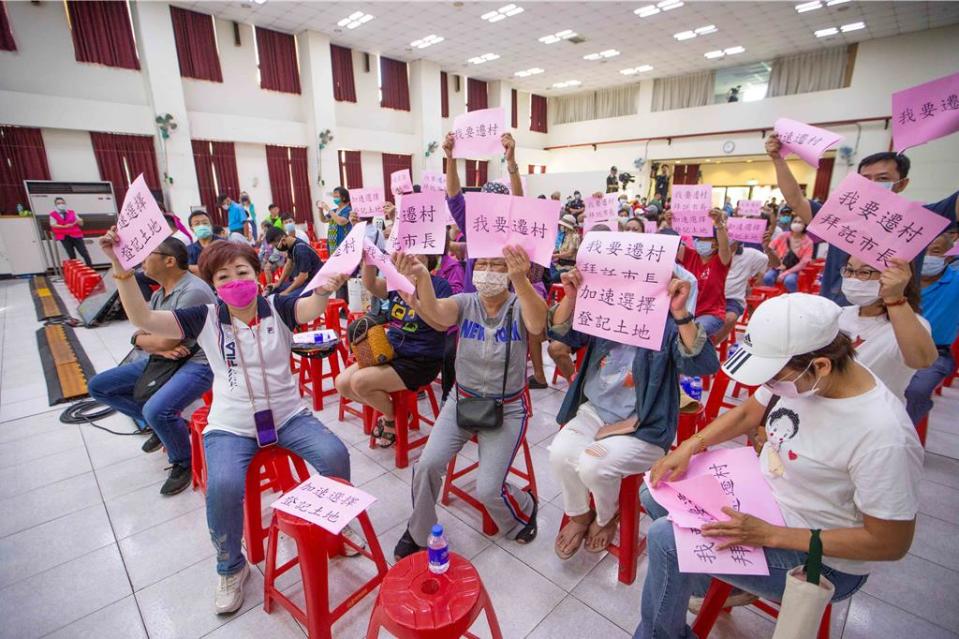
<point x="825" y="33"/>
<point x="428" y="41"/>
<point x="634" y="70"/>
<point x="354" y="20"/>
<point x="608" y="53"/>
<point x="528" y="72"/>
<point x="553" y="38"/>
<point x="502" y="13"/>
<point x="486" y="57"/>
<point x="855" y="26"/>
<point x="647" y="11"/>
<point x="808" y="6"/>
<point x="567" y="84"/>
<point x="689" y="35"/>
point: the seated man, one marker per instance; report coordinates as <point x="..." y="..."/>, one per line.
<point x="162" y="410"/>
<point x="203" y="229"/>
<point x="289" y="225"/>
<point x="302" y="262"/>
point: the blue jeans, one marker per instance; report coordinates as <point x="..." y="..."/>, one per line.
<point x="924" y="383"/>
<point x="227" y="458"/>
<point x="710" y="323"/>
<point x="163" y="410"/>
<point x="791" y="281"/>
<point x="666" y="591"/>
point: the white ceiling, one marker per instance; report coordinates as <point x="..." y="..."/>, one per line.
<point x="765" y="29"/>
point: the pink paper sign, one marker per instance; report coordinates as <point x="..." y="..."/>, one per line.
<point x="690" y="208"/>
<point x="925" y="112"/>
<point x="864" y="219"/>
<point x="749" y="208"/>
<point x="623" y="296"/>
<point x="808" y="142"/>
<point x="329" y="504"/>
<point x="739" y="475"/>
<point x="746" y="229"/>
<point x="401" y="182"/>
<point x="600" y="210"/>
<point x="692" y="502"/>
<point x="494" y="221"/>
<point x="698" y="554"/>
<point x="953" y="251"/>
<point x="395" y="281"/>
<point x="345" y="258"/>
<point x="368" y="202"/>
<point x="433" y="181"/>
<point x="650" y="226"/>
<point x="478" y="133"/>
<point x="423" y="216"/>
<point x="140" y="225"/>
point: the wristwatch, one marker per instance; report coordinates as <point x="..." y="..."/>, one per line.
<point x="133" y="340"/>
<point x="685" y="320"/>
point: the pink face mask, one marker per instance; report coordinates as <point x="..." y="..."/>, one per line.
<point x="238" y="293"/>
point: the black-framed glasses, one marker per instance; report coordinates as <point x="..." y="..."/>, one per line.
<point x="864" y="274"/>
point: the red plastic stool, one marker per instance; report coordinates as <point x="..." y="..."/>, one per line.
<point x="716" y="598"/>
<point x="922" y="429"/>
<point x="269" y="470"/>
<point x="406" y="416"/>
<point x="314" y="546"/>
<point x="198" y="422"/>
<point x="630" y="545"/>
<point x="208" y="397"/>
<point x="579" y="357"/>
<point x="690" y="424"/>
<point x="489" y="526"/>
<point x="716" y="400"/>
<point x="416" y="604"/>
<point x="312" y="376"/>
<point x="556" y="294"/>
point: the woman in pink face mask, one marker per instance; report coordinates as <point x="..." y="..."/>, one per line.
<point x="256" y="403"/>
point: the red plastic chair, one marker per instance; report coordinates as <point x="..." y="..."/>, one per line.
<point x="407" y="417"/>
<point x="416" y="604"/>
<point x="198" y="422"/>
<point x="314" y="547"/>
<point x="579" y="357"/>
<point x="955" y="368"/>
<point x="716" y="598"/>
<point x="690" y="424"/>
<point x="556" y="294"/>
<point x="269" y="470"/>
<point x="716" y="400"/>
<point x="311" y="372"/>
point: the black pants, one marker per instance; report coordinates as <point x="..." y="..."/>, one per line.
<point x="449" y="363"/>
<point x="74" y="245"/>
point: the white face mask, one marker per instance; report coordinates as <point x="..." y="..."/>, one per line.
<point x="797" y="227"/>
<point x="787" y="388"/>
<point x="490" y="283"/>
<point x="860" y="293"/>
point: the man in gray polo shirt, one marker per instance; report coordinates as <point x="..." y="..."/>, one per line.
<point x="179" y="289"/>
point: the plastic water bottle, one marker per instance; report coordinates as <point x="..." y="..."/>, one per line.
<point x="684" y="383"/>
<point x="695" y="388"/>
<point x="732" y="350"/>
<point x="438" y="551"/>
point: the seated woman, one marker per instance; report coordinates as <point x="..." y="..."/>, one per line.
<point x="845" y="462"/>
<point x="709" y="263"/>
<point x="417" y="360"/>
<point x="794" y="250"/>
<point x="620" y="414"/>
<point x="246" y="339"/>
<point x="494" y="323"/>
<point x="890" y="336"/>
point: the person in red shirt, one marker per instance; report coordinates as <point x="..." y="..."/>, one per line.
<point x="710" y="264"/>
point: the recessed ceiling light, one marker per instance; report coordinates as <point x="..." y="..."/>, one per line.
<point x="528" y="72"/>
<point x="825" y="33"/>
<point x="428" y="41"/>
<point x="502" y="13"/>
<point x="808" y="6"/>
<point x="714" y="54"/>
<point x="854" y="26"/>
<point x="833" y="3"/>
<point x="648" y="10"/>
<point x="709" y="28"/>
<point x="608" y="53"/>
<point x="565" y="34"/>
<point x="259" y="1"/>
<point x="734" y="50"/>
<point x="480" y="59"/>
<point x="669" y="5"/>
<point x="684" y="35"/>
<point x="689" y="35"/>
<point x="567" y="83"/>
<point x="354" y="20"/>
<point x="634" y="70"/>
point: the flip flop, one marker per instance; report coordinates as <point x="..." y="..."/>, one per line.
<point x="577" y="538"/>
<point x="614" y="520"/>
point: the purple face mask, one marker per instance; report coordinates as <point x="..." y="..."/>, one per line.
<point x="238" y="293"/>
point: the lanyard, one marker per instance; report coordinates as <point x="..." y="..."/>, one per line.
<point x="246" y="375"/>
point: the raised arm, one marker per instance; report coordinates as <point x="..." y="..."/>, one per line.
<point x="722" y="238"/>
<point x="792" y="192"/>
<point x="375" y="285"/>
<point x="915" y="342"/>
<point x="509" y="146"/>
<point x="310" y="307"/>
<point x="440" y="314"/>
<point x="572" y="280"/>
<point x="452" y="176"/>
<point x="533" y="307"/>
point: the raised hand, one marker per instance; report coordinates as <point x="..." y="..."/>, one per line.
<point x="448" y="143"/>
<point x="571" y="280"/>
<point x="678" y="295"/>
<point x="893" y="281"/>
<point x="108" y="242"/>
<point x="774" y="146"/>
<point x="509" y="145"/>
<point x="332" y="284"/>
<point x="517" y="262"/>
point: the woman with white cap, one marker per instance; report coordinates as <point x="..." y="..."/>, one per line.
<point x="842" y="461"/>
<point x="567" y="243"/>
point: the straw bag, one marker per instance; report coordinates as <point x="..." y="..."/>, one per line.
<point x="368" y="341"/>
<point x="806" y="596"/>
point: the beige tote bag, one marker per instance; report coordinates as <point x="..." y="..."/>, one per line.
<point x="806" y="596"/>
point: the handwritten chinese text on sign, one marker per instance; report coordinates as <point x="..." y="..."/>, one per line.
<point x="478" y="133"/>
<point x="925" y="112"/>
<point x="395" y="281"/>
<point x="690" y="207"/>
<point x="140" y="225"/>
<point x="746" y="229"/>
<point x="624" y="296"/>
<point x="401" y="182"/>
<point x="865" y="220"/>
<point x="329" y="504"/>
<point x="808" y="142"/>
<point x="750" y="208"/>
<point x="433" y="181"/>
<point x="494" y="221"/>
<point x="344" y="260"/>
<point x="423" y="216"/>
<point x="367" y="202"/>
<point x="600" y="210"/>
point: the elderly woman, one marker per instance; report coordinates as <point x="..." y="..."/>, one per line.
<point x="494" y="325"/>
<point x="246" y="339"/>
<point x="842" y="461"/>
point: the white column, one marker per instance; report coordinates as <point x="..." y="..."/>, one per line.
<point x="427" y="115"/>
<point x="316" y="73"/>
<point x="499" y="94"/>
<point x="164" y="88"/>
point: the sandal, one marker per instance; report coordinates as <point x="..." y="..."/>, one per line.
<point x="528" y="533"/>
<point x="406" y="546"/>
<point x="387" y="438"/>
<point x="377" y="431"/>
<point x="610" y="527"/>
<point x="576" y="538"/>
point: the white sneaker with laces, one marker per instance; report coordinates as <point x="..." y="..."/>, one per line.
<point x="229" y="591"/>
<point x="736" y="598"/>
<point x="354" y="537"/>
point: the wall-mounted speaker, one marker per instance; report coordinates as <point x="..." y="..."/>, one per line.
<point x="366" y="62"/>
<point x="236" y="33"/>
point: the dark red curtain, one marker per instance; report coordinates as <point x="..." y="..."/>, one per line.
<point x="685" y="174"/>
<point x="444" y="95"/>
<point x="121" y="158"/>
<point x="223" y="156"/>
<point x="820" y="189"/>
<point x="7" y="43"/>
<point x="278" y="166"/>
<point x="391" y="164"/>
<point x="102" y="33"/>
<point x="22" y="157"/>
<point x="476" y="95"/>
<point x="395" y="85"/>
<point x="514" y="107"/>
<point x="195" y="45"/>
<point x="207" y="183"/>
<point x="537" y="113"/>
<point x="279" y="70"/>
<point x="299" y="170"/>
<point x="477" y="172"/>
<point x="344" y="89"/>
<point x="351" y="170"/>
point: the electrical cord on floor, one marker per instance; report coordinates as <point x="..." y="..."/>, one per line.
<point x="87" y="411"/>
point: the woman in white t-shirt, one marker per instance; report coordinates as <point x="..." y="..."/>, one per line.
<point x="889" y="335"/>
<point x="842" y="461"/>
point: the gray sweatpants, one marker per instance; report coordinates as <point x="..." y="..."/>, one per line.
<point x="507" y="505"/>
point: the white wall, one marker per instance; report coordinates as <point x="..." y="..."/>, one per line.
<point x="254" y="177"/>
<point x="70" y="155"/>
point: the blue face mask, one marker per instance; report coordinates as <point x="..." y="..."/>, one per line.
<point x="289" y="228"/>
<point x="203" y="231"/>
<point x="933" y="265"/>
<point x="703" y="247"/>
<point x="785" y="219"/>
<point x="336" y="201"/>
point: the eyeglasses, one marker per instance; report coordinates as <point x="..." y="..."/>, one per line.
<point x="162" y="254"/>
<point x="864" y="274"/>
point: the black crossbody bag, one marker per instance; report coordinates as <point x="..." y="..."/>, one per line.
<point x="486" y="413"/>
<point x="158" y="371"/>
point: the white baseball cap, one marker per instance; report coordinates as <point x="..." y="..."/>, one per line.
<point x="781" y="328"/>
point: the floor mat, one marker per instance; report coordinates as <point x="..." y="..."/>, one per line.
<point x="66" y="367"/>
<point x="46" y="301"/>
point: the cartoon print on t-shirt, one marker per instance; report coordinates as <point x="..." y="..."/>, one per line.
<point x="781" y="426"/>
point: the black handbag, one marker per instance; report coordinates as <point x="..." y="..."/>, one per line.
<point x="486" y="413"/>
<point x="158" y="371"/>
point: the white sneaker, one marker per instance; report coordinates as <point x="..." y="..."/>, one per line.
<point x="229" y="592"/>
<point x="353" y="536"/>
<point x="736" y="598"/>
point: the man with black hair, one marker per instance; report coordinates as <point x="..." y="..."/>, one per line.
<point x="888" y="169"/>
<point x="200" y="224"/>
<point x="612" y="181"/>
<point x="168" y="266"/>
<point x="275" y="218"/>
<point x="236" y="214"/>
<point x="302" y="262"/>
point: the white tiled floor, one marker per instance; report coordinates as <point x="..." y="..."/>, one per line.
<point x="88" y="547"/>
